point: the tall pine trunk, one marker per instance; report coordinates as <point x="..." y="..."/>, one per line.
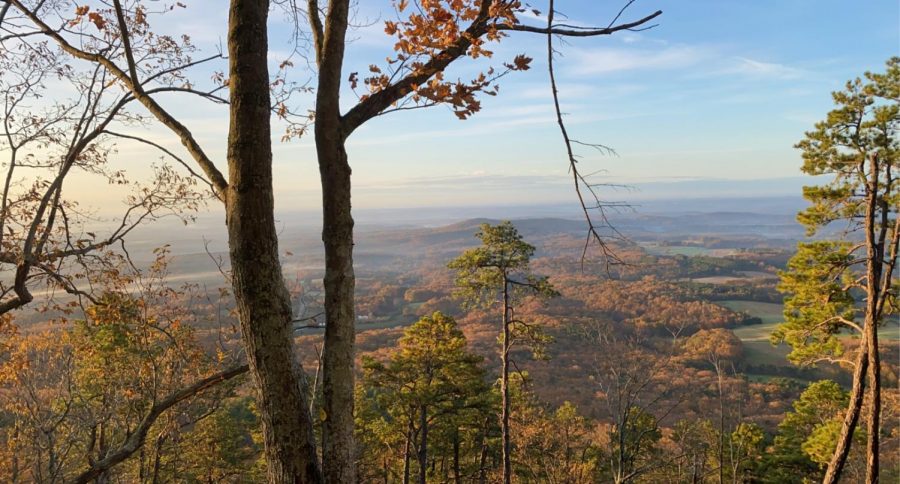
<point x="875" y="250"/>
<point x="407" y="449"/>
<point x="457" y="477"/>
<point x="867" y="360"/>
<point x="263" y="302"/>
<point x="874" y="410"/>
<point x="721" y="443"/>
<point x="851" y="417"/>
<point x="504" y="386"/>
<point x="423" y="444"/>
<point x="482" y="458"/>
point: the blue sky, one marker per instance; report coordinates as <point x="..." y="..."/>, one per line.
<point x="721" y="90"/>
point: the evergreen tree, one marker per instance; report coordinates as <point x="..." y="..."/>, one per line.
<point x="849" y="283"/>
<point x="807" y="436"/>
<point x="430" y="383"/>
<point x="498" y="273"/>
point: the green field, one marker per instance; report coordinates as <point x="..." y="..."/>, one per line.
<point x="756" y="378"/>
<point x="761" y="352"/>
<point x="756" y="336"/>
<point x="755" y="332"/>
<point x="768" y="312"/>
<point x="757" y="348"/>
<point x="890" y="331"/>
<point x="686" y="250"/>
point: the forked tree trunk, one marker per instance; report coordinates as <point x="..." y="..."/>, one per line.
<point x="875" y="251"/>
<point x="868" y="358"/>
<point x="262" y="298"/>
<point x="338" y="459"/>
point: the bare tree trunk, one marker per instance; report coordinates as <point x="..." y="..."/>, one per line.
<point x="339" y="464"/>
<point x="423" y="444"/>
<point x="851" y="417"/>
<point x="14" y="474"/>
<point x="721" y="443"/>
<point x="504" y="386"/>
<point x="262" y="298"/>
<point x="457" y="478"/>
<point x="482" y="459"/>
<point x="619" y="471"/>
<point x="157" y="458"/>
<point x="874" y="409"/>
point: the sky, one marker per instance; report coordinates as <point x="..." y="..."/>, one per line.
<point x="719" y="91"/>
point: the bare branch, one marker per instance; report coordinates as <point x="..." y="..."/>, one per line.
<point x="134" y="441"/>
<point x="187" y="138"/>
<point x="578" y="179"/>
<point x="552" y="29"/>
<point x="481" y="25"/>
<point x="167" y="152"/>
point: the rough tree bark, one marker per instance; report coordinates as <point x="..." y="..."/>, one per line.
<point x="263" y="301"/>
<point x="851" y="417"/>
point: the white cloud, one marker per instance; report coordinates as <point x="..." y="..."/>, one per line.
<point x="703" y="61"/>
<point x="751" y="67"/>
<point x="577" y="90"/>
<point x="629" y="38"/>
<point x="612" y="59"/>
<point x="636" y="38"/>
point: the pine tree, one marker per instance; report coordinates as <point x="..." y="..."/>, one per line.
<point x="428" y="381"/>
<point x="498" y="273"/>
<point x="833" y="285"/>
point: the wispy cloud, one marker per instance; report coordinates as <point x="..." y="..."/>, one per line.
<point x="698" y="61"/>
<point x="770" y="70"/>
<point x="620" y="59"/>
<point x="637" y="38"/>
<point x="579" y="90"/>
